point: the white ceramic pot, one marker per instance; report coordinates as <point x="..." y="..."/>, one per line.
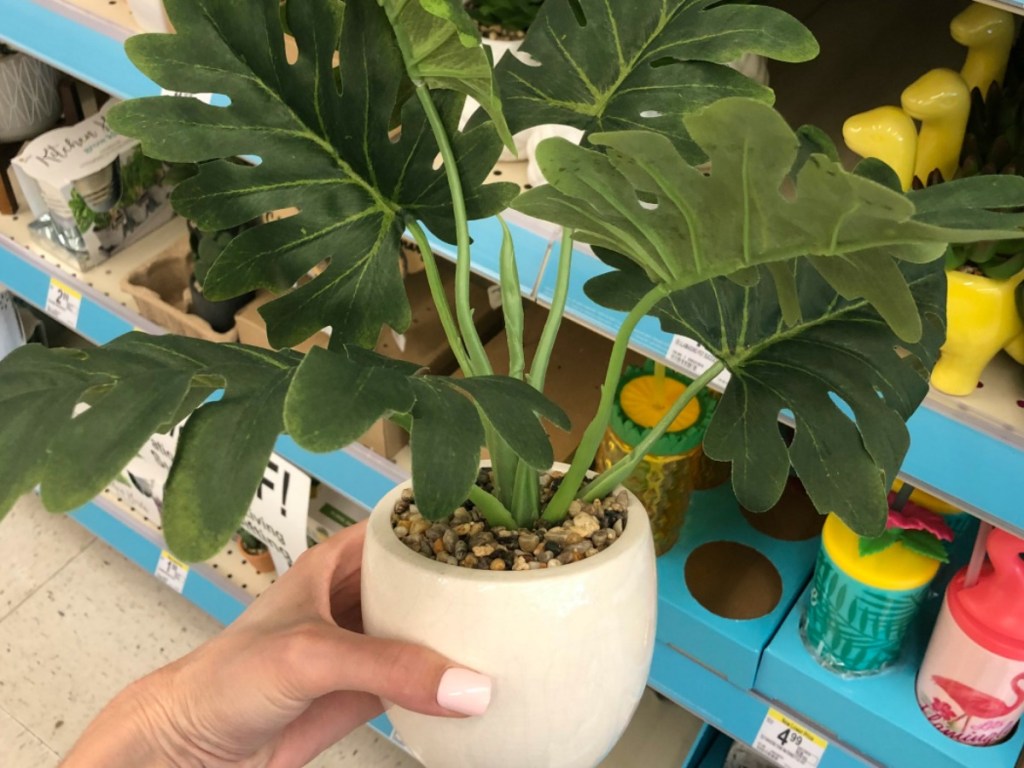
<point x="29" y="103"/>
<point x="150" y="15"/>
<point x="568" y="649"/>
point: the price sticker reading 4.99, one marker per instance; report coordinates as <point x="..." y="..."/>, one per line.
<point x="788" y="743"/>
<point x="63" y="304"/>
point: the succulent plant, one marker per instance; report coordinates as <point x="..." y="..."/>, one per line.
<point x="993" y="144"/>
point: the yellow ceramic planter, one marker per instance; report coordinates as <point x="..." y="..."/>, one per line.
<point x="982" y="319"/>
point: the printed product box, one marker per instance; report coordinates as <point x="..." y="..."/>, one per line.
<point x="92" y="191"/>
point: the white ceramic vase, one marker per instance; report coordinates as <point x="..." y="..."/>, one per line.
<point x="150" y="15"/>
<point x="29" y="102"/>
<point x="568" y="649"/>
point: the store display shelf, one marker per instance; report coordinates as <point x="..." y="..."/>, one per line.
<point x="1013" y="6"/>
<point x="221" y="586"/>
<point x="878" y="716"/>
<point x="726" y="707"/>
<point x="726" y="586"/>
<point x="76" y="41"/>
<point x="29" y="267"/>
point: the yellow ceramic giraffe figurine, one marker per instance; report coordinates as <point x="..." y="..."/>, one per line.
<point x="888" y="134"/>
<point x="988" y="34"/>
<point x="941" y="100"/>
<point x="982" y="319"/>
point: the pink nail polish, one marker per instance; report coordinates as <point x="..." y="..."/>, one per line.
<point x="464" y="691"/>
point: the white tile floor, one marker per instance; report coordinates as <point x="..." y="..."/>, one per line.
<point x="78" y="622"/>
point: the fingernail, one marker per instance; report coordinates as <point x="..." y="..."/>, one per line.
<point x="464" y="691"/>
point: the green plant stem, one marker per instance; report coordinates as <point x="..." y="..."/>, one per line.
<point x="539" y="368"/>
<point x="594" y="433"/>
<point x="464" y="313"/>
<point x="444" y="312"/>
<point x="494" y="511"/>
<point x="525" y="495"/>
<point x="616" y="474"/>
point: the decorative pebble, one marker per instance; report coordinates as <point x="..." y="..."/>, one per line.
<point x="528" y="541"/>
<point x="464" y="540"/>
<point x="585" y="525"/>
<point x="449" y="539"/>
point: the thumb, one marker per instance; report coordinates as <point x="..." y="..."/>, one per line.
<point x="412" y="676"/>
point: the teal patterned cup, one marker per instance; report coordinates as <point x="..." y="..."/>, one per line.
<point x="861" y="606"/>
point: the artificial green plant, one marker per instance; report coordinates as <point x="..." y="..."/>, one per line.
<point x="512" y="16"/>
<point x="821" y="290"/>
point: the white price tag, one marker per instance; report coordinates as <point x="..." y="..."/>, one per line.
<point x="206" y="98"/>
<point x="171" y="571"/>
<point x="399" y="340"/>
<point x="788" y="743"/>
<point x="279" y="513"/>
<point x="692" y="359"/>
<point x="494" y="296"/>
<point x="63" y="303"/>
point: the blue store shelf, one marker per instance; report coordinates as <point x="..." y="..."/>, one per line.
<point x="50" y="31"/>
<point x="208" y="591"/>
<point x="100" y="319"/>
<point x="877" y="715"/>
<point x="758" y="578"/>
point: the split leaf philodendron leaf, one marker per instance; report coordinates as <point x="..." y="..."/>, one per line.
<point x="374" y="387"/>
<point x="445" y="442"/>
<point x="502" y="399"/>
<point x="840" y="372"/>
<point x="642" y="64"/>
<point x="323" y="135"/>
<point x="134" y="387"/>
<point x="441" y="47"/>
<point x="139" y="385"/>
<point x="682" y="225"/>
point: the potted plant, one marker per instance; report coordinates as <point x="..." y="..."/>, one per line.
<point x="985" y="278"/>
<point x="255" y="552"/>
<point x="776" y="259"/>
<point x="28" y="91"/>
<point x="204" y="248"/>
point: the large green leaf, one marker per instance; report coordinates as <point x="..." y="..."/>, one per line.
<point x="502" y="400"/>
<point x="323" y="136"/>
<point x="628" y="64"/>
<point x="374" y="387"/>
<point x="441" y="47"/>
<point x="445" y="441"/>
<point x="138" y="385"/>
<point x="683" y="225"/>
<point x="134" y="387"/>
<point x="839" y="372"/>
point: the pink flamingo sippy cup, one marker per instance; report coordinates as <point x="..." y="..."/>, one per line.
<point x="971" y="682"/>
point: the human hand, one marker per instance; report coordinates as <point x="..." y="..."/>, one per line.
<point x="291" y="676"/>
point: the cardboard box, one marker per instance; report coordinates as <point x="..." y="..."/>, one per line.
<point x="424" y="343"/>
<point x="93" y="191"/>
<point x="575" y="372"/>
<point x="160" y="288"/>
<point x="331" y="512"/>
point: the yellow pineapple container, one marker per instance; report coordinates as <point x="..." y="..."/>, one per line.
<point x="665" y="478"/>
